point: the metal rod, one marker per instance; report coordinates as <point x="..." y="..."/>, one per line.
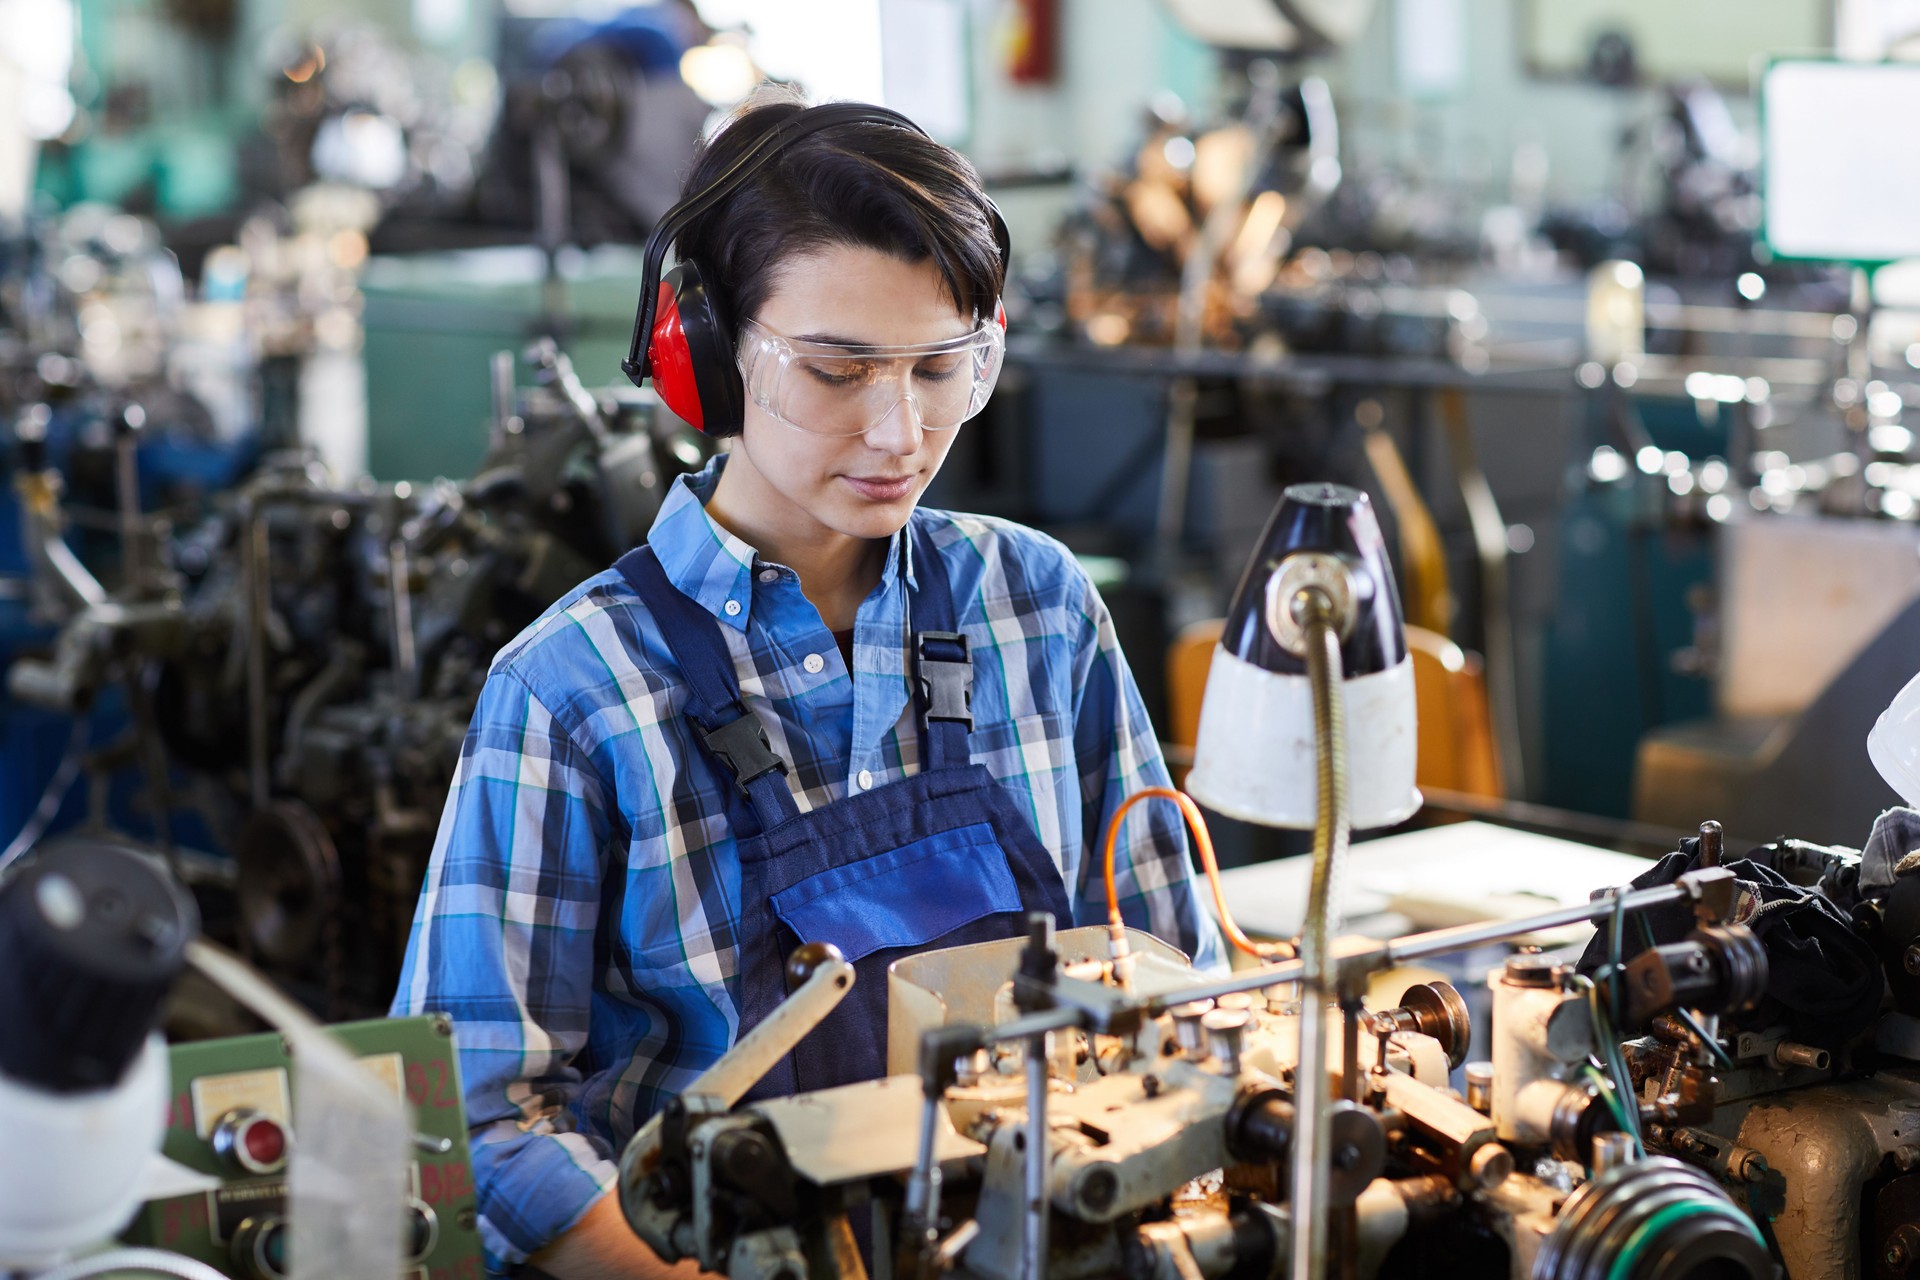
<point x="1346" y="1222"/>
<point x="503" y="397"/>
<point x="127" y="498"/>
<point x="406" y="665"/>
<point x="1366" y="959"/>
<point x="1385" y="955"/>
<point x="1033" y="1242"/>
<point x="923" y="1193"/>
<point x="254" y="565"/>
<point x="1312" y="1153"/>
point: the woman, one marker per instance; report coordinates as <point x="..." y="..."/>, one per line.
<point x="805" y="710"/>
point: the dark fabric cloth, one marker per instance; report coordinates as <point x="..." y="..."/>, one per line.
<point x="1896" y="833"/>
<point x="845" y="640"/>
<point x="1824" y="982"/>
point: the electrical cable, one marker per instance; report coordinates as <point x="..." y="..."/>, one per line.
<point x="1203" y="842"/>
<point x="1609" y="1065"/>
<point x="1711" y="1042"/>
<point x="1607" y="1094"/>
<point x="50" y="800"/>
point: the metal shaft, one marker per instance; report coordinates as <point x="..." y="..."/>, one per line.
<point x="406" y="666"/>
<point x="1312" y="1154"/>
<point x="1368" y="959"/>
<point x="254" y="566"/>
<point x="127" y="497"/>
<point x="923" y="1191"/>
<point x="1033" y="1243"/>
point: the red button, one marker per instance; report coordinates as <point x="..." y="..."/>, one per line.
<point x="265" y="1142"/>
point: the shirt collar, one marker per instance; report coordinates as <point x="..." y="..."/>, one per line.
<point x="712" y="567"/>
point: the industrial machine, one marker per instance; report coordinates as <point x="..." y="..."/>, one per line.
<point x="1726" y="1084"/>
<point x="231" y="1119"/>
<point x="302" y="662"/>
<point x="305" y="1151"/>
<point x="1089" y="1105"/>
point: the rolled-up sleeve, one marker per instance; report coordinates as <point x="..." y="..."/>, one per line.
<point x="503" y="942"/>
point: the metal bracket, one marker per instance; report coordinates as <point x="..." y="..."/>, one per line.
<point x="1104" y="1010"/>
<point x="1712" y="891"/>
<point x="946" y="685"/>
<point x="1305" y="571"/>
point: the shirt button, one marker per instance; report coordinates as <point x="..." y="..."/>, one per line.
<point x="733" y="608"/>
<point x="769" y="575"/>
<point x="865" y="779"/>
<point x="813" y="662"/>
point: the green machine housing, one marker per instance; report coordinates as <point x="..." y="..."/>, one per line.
<point x="232" y="1118"/>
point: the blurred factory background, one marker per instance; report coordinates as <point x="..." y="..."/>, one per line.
<point x="310" y="319"/>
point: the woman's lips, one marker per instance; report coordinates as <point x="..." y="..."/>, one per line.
<point x="881" y="488"/>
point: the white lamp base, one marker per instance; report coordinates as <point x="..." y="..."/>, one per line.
<point x="1255" y="756"/>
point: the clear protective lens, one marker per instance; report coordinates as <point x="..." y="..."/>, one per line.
<point x="848" y="391"/>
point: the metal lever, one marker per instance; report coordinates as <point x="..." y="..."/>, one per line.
<point x="724" y="1083"/>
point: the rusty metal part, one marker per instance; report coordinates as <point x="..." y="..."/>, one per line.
<point x="1433" y="1009"/>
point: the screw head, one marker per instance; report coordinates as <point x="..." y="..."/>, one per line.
<point x="1910" y="961"/>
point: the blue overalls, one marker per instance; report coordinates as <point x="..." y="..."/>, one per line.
<point x="943" y="858"/>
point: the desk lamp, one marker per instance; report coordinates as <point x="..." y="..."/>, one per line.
<point x="1312" y="673"/>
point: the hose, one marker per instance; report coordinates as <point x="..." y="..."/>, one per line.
<point x="1313" y="1149"/>
<point x="153" y="1262"/>
<point x="1203" y="843"/>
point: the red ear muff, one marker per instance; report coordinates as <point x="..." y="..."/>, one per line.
<point x="691" y="351"/>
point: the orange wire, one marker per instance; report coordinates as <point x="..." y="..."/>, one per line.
<point x="1196" y="823"/>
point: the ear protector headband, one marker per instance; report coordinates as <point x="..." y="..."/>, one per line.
<point x="683" y="334"/>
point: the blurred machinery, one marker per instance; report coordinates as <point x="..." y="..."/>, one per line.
<point x="302" y="662"/>
<point x="597" y="125"/>
<point x="344" y="1147"/>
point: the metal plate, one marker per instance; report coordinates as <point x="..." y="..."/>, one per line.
<point x="859" y="1130"/>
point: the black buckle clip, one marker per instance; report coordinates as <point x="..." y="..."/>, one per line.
<point x="946" y="685"/>
<point x="743" y="746"/>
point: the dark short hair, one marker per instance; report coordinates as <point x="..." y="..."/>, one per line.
<point x="869" y="185"/>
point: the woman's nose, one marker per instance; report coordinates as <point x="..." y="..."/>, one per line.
<point x="900" y="431"/>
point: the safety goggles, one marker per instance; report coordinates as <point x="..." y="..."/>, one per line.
<point x="835" y="390"/>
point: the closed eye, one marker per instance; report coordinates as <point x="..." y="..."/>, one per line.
<point x="940" y="370"/>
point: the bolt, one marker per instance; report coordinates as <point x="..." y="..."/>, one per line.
<point x="1712" y="844"/>
<point x="1910" y="961"/>
<point x="1491" y="1165"/>
<point x="1896" y="1256"/>
<point x="1480" y="1086"/>
<point x="442" y="1025"/>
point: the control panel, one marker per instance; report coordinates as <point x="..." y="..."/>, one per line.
<point x="232" y="1119"/>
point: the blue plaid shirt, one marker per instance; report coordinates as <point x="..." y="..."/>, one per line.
<point x="579" y="914"/>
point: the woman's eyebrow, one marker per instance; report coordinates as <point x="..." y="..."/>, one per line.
<point x="835" y="340"/>
<point x="855" y="347"/>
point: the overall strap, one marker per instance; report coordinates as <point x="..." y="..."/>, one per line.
<point x="732" y="734"/>
<point x="942" y="667"/>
